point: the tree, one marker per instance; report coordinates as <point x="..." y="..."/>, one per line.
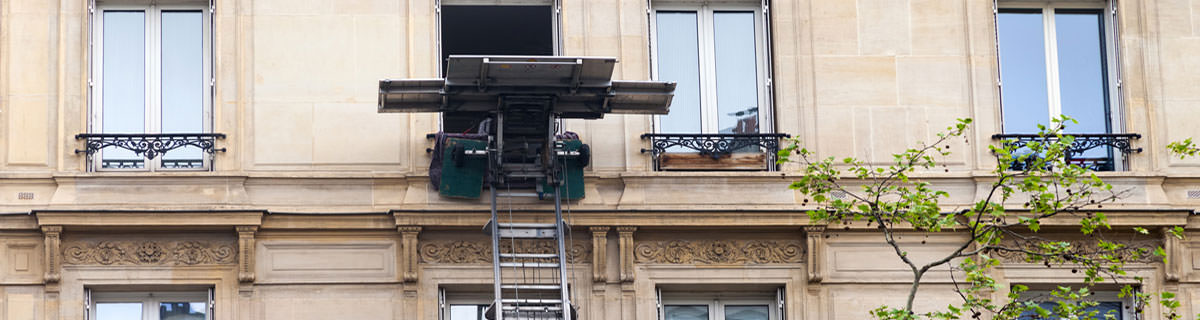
<point x="1032" y="183"/>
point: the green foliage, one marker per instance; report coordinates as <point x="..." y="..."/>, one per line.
<point x="1030" y="186"/>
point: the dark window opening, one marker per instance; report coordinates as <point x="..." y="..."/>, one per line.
<point x="493" y="30"/>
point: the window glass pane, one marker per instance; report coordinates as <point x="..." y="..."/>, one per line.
<point x="1023" y="71"/>
<point x="466" y="312"/>
<point x="759" y="312"/>
<point x="1102" y="309"/>
<point x="182" y="82"/>
<point x="737" y="74"/>
<point x="696" y="312"/>
<point x="1081" y="70"/>
<point x="119" y="311"/>
<point x="182" y="310"/>
<point x="123" y="82"/>
<point x="678" y="60"/>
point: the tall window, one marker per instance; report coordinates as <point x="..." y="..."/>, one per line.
<point x="520" y="28"/>
<point x="151" y="74"/>
<point x="1057" y="58"/>
<point x="460" y="305"/>
<point x="717" y="56"/>
<point x="165" y="305"/>
<point x="1109" y="305"/>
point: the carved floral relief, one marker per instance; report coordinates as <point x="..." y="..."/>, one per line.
<point x="148" y="252"/>
<point x="1088" y="246"/>
<point x="719" y="251"/>
<point x="459" y="252"/>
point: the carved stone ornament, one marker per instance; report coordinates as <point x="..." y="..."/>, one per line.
<point x="720" y="251"/>
<point x="456" y="252"/>
<point x="1085" y="246"/>
<point x="144" y="252"/>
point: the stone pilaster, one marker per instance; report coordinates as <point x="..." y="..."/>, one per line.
<point x="246" y="253"/>
<point x="625" y="242"/>
<point x="53" y="239"/>
<point x="408" y="252"/>
<point x="599" y="253"/>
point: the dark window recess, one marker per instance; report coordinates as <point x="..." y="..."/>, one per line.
<point x="493" y="30"/>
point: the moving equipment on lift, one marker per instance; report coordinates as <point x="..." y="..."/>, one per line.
<point x="522" y="98"/>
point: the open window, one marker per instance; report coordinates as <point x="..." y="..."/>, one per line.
<point x="719" y="56"/>
<point x="505" y="27"/>
<point x="151" y="85"/>
<point x="149" y="305"/>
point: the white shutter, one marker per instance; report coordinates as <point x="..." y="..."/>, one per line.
<point x="658" y="304"/>
<point x="781" y="303"/>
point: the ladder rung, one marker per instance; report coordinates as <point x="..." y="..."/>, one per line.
<point x="518" y="194"/>
<point x="530" y="286"/>
<point x="532" y="308"/>
<point x="530" y="301"/>
<point x="529" y="255"/>
<point x="528" y="233"/>
<point x="529" y="265"/>
<point x="523" y="174"/>
<point x="527" y="225"/>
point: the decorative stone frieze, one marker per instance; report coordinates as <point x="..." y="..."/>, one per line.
<point x="720" y="251"/>
<point x="1086" y="245"/>
<point x="150" y="252"/>
<point x="466" y="252"/>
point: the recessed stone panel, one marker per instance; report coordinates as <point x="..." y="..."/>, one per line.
<point x="322" y="262"/>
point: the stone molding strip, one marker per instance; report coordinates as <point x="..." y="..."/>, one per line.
<point x="720" y="251"/>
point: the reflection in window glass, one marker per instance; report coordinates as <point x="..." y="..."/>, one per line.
<point x="181" y="311"/>
<point x="1023" y="70"/>
<point x="124" y="82"/>
<point x="1102" y="309"/>
<point x="182" y="82"/>
<point x="119" y="311"/>
<point x="759" y="312"/>
<point x="679" y="61"/>
<point x="1081" y="70"/>
<point x="736" y="72"/>
<point x="678" y="312"/>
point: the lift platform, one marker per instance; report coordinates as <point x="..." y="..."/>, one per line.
<point x="521" y="99"/>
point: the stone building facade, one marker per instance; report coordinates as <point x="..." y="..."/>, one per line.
<point x="292" y="198"/>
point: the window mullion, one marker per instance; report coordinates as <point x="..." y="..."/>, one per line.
<point x="1052" y="80"/>
<point x="708" y="78"/>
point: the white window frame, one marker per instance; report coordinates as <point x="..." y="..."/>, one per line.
<point x="447" y="298"/>
<point x="153" y="75"/>
<point x="1099" y="296"/>
<point x="1112" y="56"/>
<point x="149" y="299"/>
<point x="708" y="86"/>
<point x="716" y="302"/>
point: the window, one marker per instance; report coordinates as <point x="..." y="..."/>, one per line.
<point x="1107" y="303"/>
<point x="727" y="305"/>
<point x="1058" y="59"/>
<point x="718" y="56"/>
<point x="462" y="305"/>
<point x="521" y="28"/>
<point x="158" y="305"/>
<point x="151" y="74"/>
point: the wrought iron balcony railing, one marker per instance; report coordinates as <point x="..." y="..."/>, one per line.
<point x="150" y="146"/>
<point x="714" y="151"/>
<point x="1095" y="151"/>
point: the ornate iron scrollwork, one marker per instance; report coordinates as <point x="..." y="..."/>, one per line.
<point x="1113" y="142"/>
<point x="714" y="145"/>
<point x="149" y="145"/>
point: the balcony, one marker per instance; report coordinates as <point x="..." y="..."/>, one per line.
<point x="149" y="146"/>
<point x="1098" y="152"/>
<point x="714" y="152"/>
